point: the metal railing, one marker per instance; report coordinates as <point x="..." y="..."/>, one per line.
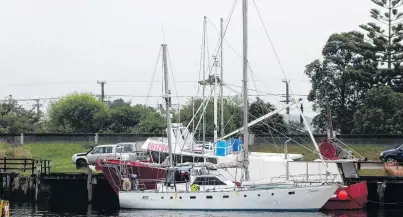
<point x="23" y="165"/>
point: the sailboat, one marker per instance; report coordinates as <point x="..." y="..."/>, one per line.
<point x="204" y="191"/>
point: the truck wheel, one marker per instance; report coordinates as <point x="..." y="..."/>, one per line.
<point x="81" y="163"/>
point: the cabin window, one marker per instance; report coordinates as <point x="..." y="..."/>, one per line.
<point x="225" y="196"/>
<point x="212" y="160"/>
<point x="192" y="197"/>
<point x="208" y="181"/>
<point x="258" y="195"/>
<point x="187" y="159"/>
<point x="272" y="194"/>
<point x="177" y="159"/>
<point x="199" y="181"/>
<point x="214" y="181"/>
<point x="291" y="192"/>
<point x="209" y="197"/>
<point x="245" y="195"/>
<point x="199" y="160"/>
<point x="145" y="197"/>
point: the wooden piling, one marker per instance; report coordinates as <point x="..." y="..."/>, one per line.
<point x="89" y="185"/>
<point x="37" y="181"/>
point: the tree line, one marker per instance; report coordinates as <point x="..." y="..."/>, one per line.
<point x="84" y="113"/>
<point x="359" y="76"/>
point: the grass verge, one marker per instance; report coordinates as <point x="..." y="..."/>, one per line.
<point x="60" y="154"/>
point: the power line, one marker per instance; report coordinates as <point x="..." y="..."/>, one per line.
<point x="265" y="93"/>
<point x="84" y="82"/>
<point x="45" y="83"/>
<point x="32" y="99"/>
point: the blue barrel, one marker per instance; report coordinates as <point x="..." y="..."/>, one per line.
<point x="222" y="148"/>
<point x="236" y="145"/>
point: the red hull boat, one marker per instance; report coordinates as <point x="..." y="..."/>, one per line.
<point x="349" y="198"/>
<point x="113" y="173"/>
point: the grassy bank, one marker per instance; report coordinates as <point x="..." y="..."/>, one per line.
<point x="60" y="153"/>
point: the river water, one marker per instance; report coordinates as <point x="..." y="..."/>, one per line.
<point x="25" y="210"/>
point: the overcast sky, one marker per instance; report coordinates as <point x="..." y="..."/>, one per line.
<point x="58" y="47"/>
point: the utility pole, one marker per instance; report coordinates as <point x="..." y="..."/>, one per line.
<point x="287" y="97"/>
<point x="102" y="83"/>
<point x="37" y="106"/>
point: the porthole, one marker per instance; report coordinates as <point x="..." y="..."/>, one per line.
<point x="272" y="194"/>
<point x="258" y="195"/>
<point x="245" y="195"/>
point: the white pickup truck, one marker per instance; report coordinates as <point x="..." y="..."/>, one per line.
<point x="124" y="151"/>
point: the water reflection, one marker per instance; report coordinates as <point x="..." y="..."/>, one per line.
<point x="26" y="210"/>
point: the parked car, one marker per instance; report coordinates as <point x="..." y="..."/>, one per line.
<point x="123" y="151"/>
<point x="392" y="154"/>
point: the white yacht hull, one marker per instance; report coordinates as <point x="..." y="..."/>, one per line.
<point x="286" y="199"/>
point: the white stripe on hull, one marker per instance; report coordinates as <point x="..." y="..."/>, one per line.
<point x="298" y="199"/>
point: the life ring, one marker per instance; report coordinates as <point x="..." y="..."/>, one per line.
<point x="194" y="188"/>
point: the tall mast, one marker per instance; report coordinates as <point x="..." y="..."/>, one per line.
<point x="204" y="78"/>
<point x="167" y="96"/>
<point x="221" y="78"/>
<point x="245" y="87"/>
<point x="215" y="102"/>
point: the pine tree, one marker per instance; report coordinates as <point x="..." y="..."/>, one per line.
<point x="385" y="36"/>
